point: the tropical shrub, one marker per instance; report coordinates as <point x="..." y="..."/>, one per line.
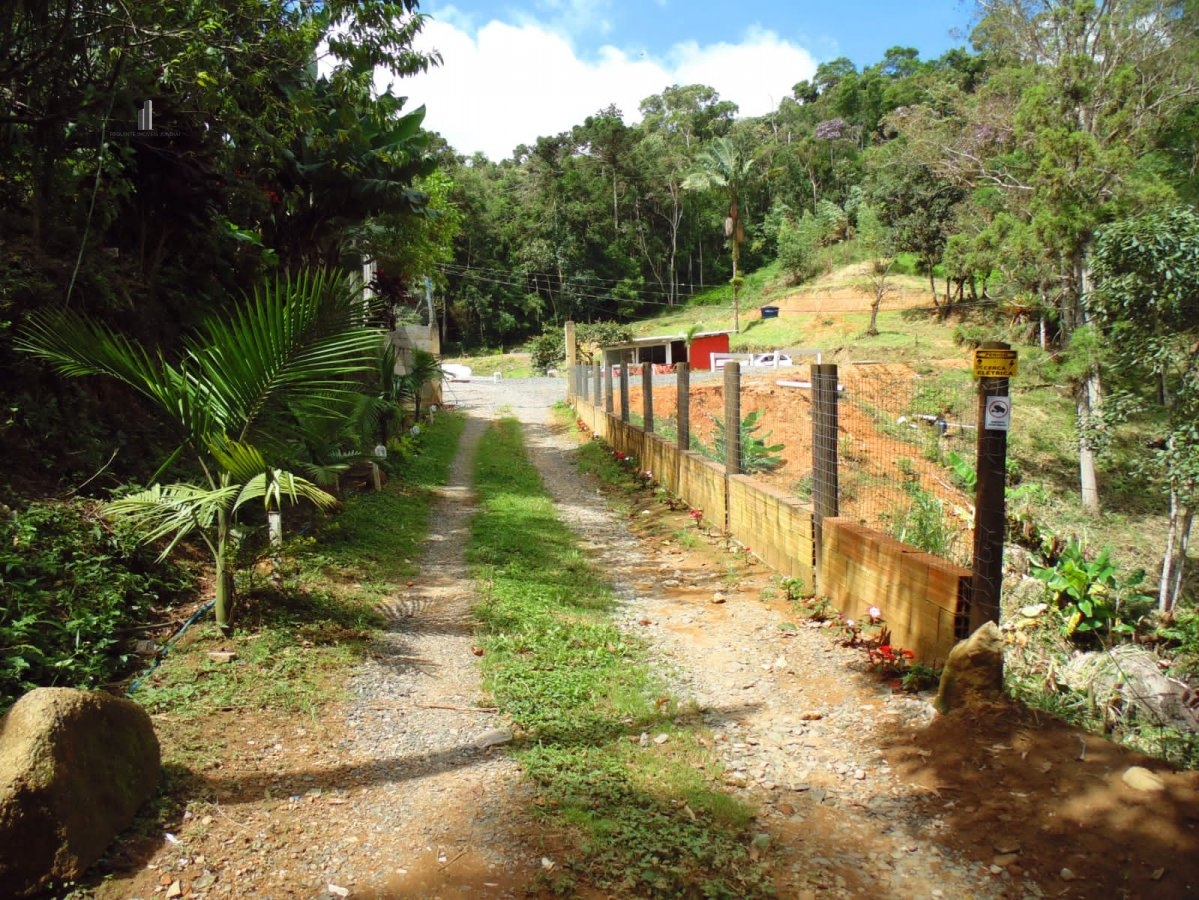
<point x="72" y="588"/>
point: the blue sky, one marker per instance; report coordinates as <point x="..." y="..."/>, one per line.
<point x="514" y="71"/>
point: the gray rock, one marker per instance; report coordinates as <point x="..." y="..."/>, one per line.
<point x="75" y="767"/>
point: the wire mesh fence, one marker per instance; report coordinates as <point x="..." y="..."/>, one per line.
<point x="904" y="440"/>
<point x="906" y="455"/>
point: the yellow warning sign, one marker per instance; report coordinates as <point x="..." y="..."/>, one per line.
<point x="994" y="363"/>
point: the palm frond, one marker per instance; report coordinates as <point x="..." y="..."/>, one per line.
<point x="299" y="337"/>
<point x="76" y="346"/>
<point x="172" y="510"/>
<point x="273" y="486"/>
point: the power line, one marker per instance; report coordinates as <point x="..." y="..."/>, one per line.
<point x="578" y="290"/>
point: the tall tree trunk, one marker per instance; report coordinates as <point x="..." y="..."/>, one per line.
<point x="615" y="211"/>
<point x="1086" y="407"/>
<point x="1178" y="535"/>
<point x="1090" y="395"/>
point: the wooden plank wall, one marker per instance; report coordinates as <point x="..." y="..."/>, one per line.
<point x="920" y="595"/>
<point x="775" y="526"/>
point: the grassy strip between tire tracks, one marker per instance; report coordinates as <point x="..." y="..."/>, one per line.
<point x="623" y="771"/>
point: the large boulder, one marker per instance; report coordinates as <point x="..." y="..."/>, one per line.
<point x="973" y="672"/>
<point x="75" y="767"/>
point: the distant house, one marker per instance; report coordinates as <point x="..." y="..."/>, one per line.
<point x="668" y="350"/>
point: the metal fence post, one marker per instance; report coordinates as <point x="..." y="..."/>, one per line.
<point x="683" y="404"/>
<point x="608" y="400"/>
<point x="990" y="515"/>
<point x="824" y="454"/>
<point x="647" y="397"/>
<point x="598" y="375"/>
<point x="732" y="418"/>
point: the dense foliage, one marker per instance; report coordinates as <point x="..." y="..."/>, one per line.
<point x="73" y="590"/>
<point x="157" y="160"/>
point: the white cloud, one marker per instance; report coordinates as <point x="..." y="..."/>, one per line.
<point x="503" y="85"/>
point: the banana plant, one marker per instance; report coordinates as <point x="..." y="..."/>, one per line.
<point x="236" y="397"/>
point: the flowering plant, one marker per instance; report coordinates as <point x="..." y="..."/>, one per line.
<point x="697" y="516"/>
<point x="890" y="662"/>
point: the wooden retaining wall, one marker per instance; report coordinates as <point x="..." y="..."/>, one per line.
<point x="923" y="598"/>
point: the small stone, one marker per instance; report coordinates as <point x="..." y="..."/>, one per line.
<point x="662" y="739"/>
<point x="860" y="775"/>
<point x="337" y="890"/>
<point x="222" y="656"/>
<point x="1067" y="874"/>
<point x="494" y="738"/>
<point x="718" y="597"/>
<point x="175" y="889"/>
<point x="1036" y="609"/>
<point x="1141" y="779"/>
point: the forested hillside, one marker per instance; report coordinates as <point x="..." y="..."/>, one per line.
<point x="1044" y="180"/>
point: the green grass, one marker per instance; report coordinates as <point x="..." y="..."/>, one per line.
<point x="509" y="365"/>
<point x="643" y="819"/>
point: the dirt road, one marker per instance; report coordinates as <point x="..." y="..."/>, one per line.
<point x="407" y="792"/>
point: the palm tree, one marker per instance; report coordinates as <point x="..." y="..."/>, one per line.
<point x="235" y="399"/>
<point x="725" y="167"/>
<point x="423" y="369"/>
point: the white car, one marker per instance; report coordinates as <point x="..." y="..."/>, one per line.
<point x="772" y="360"/>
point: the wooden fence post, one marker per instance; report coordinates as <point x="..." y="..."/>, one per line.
<point x="683" y="404"/>
<point x="572" y="359"/>
<point x="647" y="397"/>
<point x="990" y="515"/>
<point x="625" y="361"/>
<point x="732" y="417"/>
<point x="608" y="400"/>
<point x="824" y="455"/>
